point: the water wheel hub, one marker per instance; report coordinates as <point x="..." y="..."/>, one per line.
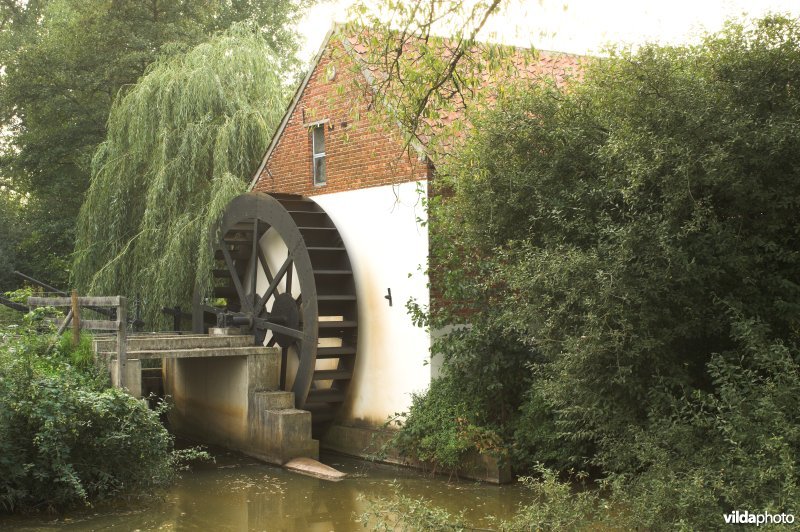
<point x="285" y="311"/>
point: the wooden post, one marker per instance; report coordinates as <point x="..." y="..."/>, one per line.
<point x="76" y="320"/>
<point x="122" y="333"/>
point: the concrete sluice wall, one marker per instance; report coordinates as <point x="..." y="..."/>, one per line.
<point x="233" y="401"/>
<point x="223" y="391"/>
<point x="212" y="396"/>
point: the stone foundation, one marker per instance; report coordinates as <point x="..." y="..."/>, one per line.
<point x="369" y="442"/>
<point x="230" y="401"/>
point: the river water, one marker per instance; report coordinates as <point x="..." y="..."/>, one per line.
<point x="237" y="493"/>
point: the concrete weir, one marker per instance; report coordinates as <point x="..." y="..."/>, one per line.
<point x="224" y="391"/>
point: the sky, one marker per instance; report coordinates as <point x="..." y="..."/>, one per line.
<point x="583" y="26"/>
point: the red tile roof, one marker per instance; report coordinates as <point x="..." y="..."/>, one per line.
<point x="525" y="65"/>
<point x="520" y="65"/>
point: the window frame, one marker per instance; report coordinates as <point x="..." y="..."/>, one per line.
<point x="314" y="155"/>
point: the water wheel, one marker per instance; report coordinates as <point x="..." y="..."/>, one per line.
<point x="285" y="276"/>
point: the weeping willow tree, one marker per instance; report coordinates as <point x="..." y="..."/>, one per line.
<point x="181" y="143"/>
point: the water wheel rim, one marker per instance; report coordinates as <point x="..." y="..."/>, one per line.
<point x="265" y="212"/>
<point x="319" y="261"/>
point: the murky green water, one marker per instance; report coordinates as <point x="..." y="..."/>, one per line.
<point x="238" y="493"/>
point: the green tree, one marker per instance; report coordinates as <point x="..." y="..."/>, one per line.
<point x="181" y="143"/>
<point x="624" y="220"/>
<point x="429" y="63"/>
<point x="634" y="239"/>
<point x="9" y="214"/>
<point x="65" y="62"/>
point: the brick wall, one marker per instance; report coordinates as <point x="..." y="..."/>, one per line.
<point x="361" y="151"/>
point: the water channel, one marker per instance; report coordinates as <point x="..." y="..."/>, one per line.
<point x="237" y="493"/>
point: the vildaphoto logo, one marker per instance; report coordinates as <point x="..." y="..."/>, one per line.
<point x="746" y="518"/>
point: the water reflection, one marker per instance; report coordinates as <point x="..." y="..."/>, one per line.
<point x="238" y="494"/>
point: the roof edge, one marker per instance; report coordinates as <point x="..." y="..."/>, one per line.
<point x="414" y="143"/>
<point x="292" y="105"/>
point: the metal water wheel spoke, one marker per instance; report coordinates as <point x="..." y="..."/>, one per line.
<point x="308" y="307"/>
<point x="272" y="289"/>
<point x="264" y="265"/>
<point x="291" y="331"/>
<point x="288" y="289"/>
<point x="237" y="283"/>
<point x="254" y="265"/>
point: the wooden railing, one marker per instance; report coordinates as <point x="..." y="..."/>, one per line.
<point x="75" y="303"/>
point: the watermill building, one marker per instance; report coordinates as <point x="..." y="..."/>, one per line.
<point x="359" y="170"/>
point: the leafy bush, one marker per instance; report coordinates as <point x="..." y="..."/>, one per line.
<point x="634" y="239"/>
<point x="706" y="454"/>
<point x="558" y="506"/>
<point x="82" y="355"/>
<point x="10" y="316"/>
<point x="20" y="295"/>
<point x="484" y="401"/>
<point x="439" y="429"/>
<point x="64" y="438"/>
<point x="623" y="217"/>
<point x="488" y="372"/>
<point x="473" y="405"/>
<point x="536" y="438"/>
<point x="430" y="429"/>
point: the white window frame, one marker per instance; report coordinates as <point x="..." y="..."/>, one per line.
<point x="315" y="155"/>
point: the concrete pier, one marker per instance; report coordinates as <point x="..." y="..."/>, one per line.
<point x="223" y="391"/>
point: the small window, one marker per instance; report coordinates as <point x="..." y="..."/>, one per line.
<point x="318" y="153"/>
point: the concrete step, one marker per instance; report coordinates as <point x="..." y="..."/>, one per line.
<point x="194" y="353"/>
<point x="278" y="431"/>
<point x="284" y="434"/>
<point x="279" y="400"/>
<point x="174" y="341"/>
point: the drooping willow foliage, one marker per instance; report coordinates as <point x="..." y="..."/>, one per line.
<point x="181" y="143"/>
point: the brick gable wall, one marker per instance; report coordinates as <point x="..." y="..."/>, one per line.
<point x="360" y="152"/>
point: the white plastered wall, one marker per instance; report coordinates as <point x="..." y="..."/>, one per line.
<point x="388" y="248"/>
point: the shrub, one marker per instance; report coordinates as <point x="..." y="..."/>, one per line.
<point x="633" y="239"/>
<point x="82" y="355"/>
<point x="432" y="430"/>
<point x="65" y="439"/>
<point x="537" y="438"/>
<point x="473" y="405"/>
<point x="558" y="505"/>
<point x="618" y="220"/>
<point x="10" y="316"/>
<point x="487" y="371"/>
<point x="706" y="454"/>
